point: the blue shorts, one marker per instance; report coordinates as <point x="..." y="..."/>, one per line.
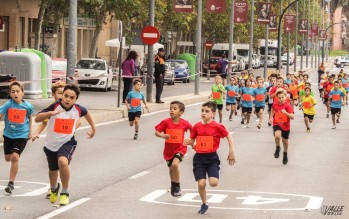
<point x="66" y="150"/>
<point x="206" y="164"/>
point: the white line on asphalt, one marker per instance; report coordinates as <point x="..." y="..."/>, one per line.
<point x="65" y="208"/>
<point x="139" y="175"/>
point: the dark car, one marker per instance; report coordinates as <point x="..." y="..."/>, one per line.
<point x="181" y="69"/>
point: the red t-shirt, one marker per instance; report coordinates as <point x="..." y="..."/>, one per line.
<point x="275" y="98"/>
<point x="208" y="136"/>
<point x="327" y="88"/>
<point x="174" y="144"/>
<point x="280" y="118"/>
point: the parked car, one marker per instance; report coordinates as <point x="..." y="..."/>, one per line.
<point x="181" y="69"/>
<point x="59" y="69"/>
<point x="342" y="61"/>
<point x="169" y="74"/>
<point x="256" y="62"/>
<point x="284" y="60"/>
<point x="270" y="61"/>
<point x="94" y="73"/>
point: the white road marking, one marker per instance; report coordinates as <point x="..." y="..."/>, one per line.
<point x="195" y="197"/>
<point x="35" y="192"/>
<point x="65" y="208"/>
<point x="258" y="200"/>
<point x="139" y="175"/>
<point x="153" y="195"/>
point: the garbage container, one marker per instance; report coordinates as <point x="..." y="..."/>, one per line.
<point x="191" y="60"/>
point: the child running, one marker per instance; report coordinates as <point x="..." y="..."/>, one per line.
<point x="172" y="130"/>
<point x="260" y="93"/>
<point x="247" y="98"/>
<point x="308" y="103"/>
<point x="232" y="92"/>
<point x="217" y="93"/>
<point x="133" y="103"/>
<point x="60" y="143"/>
<point x="280" y="115"/>
<point x="207" y="135"/>
<point x="18" y="126"/>
<point x="337" y="99"/>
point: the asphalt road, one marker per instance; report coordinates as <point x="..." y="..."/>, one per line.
<point x="114" y="176"/>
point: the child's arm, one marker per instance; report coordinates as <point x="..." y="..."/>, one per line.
<point x="90" y="121"/>
<point x="1" y="116"/>
<point x="271" y="115"/>
<point x="289" y="115"/>
<point x="189" y="141"/>
<point x="127" y="105"/>
<point x="145" y="105"/>
<point x="39" y="130"/>
<point x="30" y="127"/>
<point x="162" y="135"/>
<point x="231" y="156"/>
<point x="46" y="115"/>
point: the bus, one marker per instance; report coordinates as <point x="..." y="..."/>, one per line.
<point x="272" y="50"/>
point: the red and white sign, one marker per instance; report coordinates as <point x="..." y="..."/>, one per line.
<point x="215" y="6"/>
<point x="315" y="29"/>
<point x="322" y="35"/>
<point x="240" y="12"/>
<point x="183" y="5"/>
<point x="209" y="44"/>
<point x="289" y="23"/>
<point x="150" y="35"/>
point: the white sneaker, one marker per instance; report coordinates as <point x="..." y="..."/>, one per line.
<point x="247" y="125"/>
<point x="333" y="127"/>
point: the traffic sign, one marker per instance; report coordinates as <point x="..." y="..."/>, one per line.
<point x="150" y="35"/>
<point x="209" y="44"/>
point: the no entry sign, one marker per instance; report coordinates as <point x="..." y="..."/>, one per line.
<point x="150" y="35"/>
<point x="209" y="44"/>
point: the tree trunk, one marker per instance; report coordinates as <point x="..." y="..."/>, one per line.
<point x="39" y="24"/>
<point x="93" y="48"/>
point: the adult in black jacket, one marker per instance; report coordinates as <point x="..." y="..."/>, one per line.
<point x="159" y="73"/>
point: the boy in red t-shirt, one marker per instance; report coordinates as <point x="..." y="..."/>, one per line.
<point x="280" y="115"/>
<point x="207" y="134"/>
<point x="172" y="129"/>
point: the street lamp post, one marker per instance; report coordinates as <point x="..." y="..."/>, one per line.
<point x="323" y="47"/>
<point x="279" y="32"/>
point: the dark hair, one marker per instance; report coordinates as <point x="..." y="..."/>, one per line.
<point x="180" y="105"/>
<point x="210" y="104"/>
<point x="137" y="81"/>
<point x="132" y="55"/>
<point x="280" y="78"/>
<point x="307" y="88"/>
<point x="305" y="75"/>
<point x="308" y="83"/>
<point x="223" y="55"/>
<point x="274" y="75"/>
<point x="74" y="88"/>
<point x="336" y="82"/>
<point x="280" y="92"/>
<point x="16" y="83"/>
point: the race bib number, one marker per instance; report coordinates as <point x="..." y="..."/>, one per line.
<point x="280" y="117"/>
<point x="336" y="97"/>
<point x="307" y="105"/>
<point x="204" y="143"/>
<point x="346" y="85"/>
<point x="16" y="115"/>
<point x="260" y="97"/>
<point x="176" y="136"/>
<point x="135" y="102"/>
<point x="231" y="93"/>
<point x="216" y="95"/>
<point x="247" y="97"/>
<point x="64" y="126"/>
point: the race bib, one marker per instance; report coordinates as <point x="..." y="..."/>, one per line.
<point x="16" y="115"/>
<point x="216" y="95"/>
<point x="307" y="105"/>
<point x="204" y="143"/>
<point x="247" y="97"/>
<point x="260" y="97"/>
<point x="64" y="126"/>
<point x="231" y="93"/>
<point x="176" y="136"/>
<point x="336" y="97"/>
<point x="346" y="85"/>
<point x="280" y="117"/>
<point x="135" y="102"/>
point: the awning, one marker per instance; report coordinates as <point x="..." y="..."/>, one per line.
<point x="116" y="43"/>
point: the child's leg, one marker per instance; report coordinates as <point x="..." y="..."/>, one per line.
<point x="334" y="119"/>
<point x="174" y="170"/>
<point x="202" y="190"/>
<point x="64" y="172"/>
<point x="131" y="122"/>
<point x="261" y="116"/>
<point x="306" y="121"/>
<point x="227" y="107"/>
<point x="285" y="144"/>
<point x="248" y="116"/>
<point x="14" y="166"/>
<point x="277" y="137"/>
<point x="213" y="181"/>
<point x="53" y="176"/>
<point x="136" y="122"/>
<point x="220" y="116"/>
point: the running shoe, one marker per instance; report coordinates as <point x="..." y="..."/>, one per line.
<point x="9" y="188"/>
<point x="269" y="124"/>
<point x="337" y="120"/>
<point x="247" y="125"/>
<point x="135" y="137"/>
<point x="54" y="194"/>
<point x="177" y="191"/>
<point x="259" y="126"/>
<point x="48" y="194"/>
<point x="285" y="159"/>
<point x="277" y="152"/>
<point x="230" y="118"/>
<point x="64" y="199"/>
<point x="333" y="127"/>
<point x="236" y="112"/>
<point x="203" y="209"/>
<point x="327" y="115"/>
<point x="242" y="121"/>
<point x="172" y="191"/>
<point x="308" y="130"/>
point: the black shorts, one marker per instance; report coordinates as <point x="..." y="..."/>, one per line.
<point x="310" y="117"/>
<point x="270" y="105"/>
<point x="335" y="111"/>
<point x="247" y="110"/>
<point x="227" y="104"/>
<point x="133" y="115"/>
<point x="284" y="134"/>
<point x="219" y="106"/>
<point x="16" y="145"/>
<point x="66" y="150"/>
<point x="258" y="108"/>
<point x="178" y="155"/>
<point x="325" y="100"/>
<point x="206" y="164"/>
